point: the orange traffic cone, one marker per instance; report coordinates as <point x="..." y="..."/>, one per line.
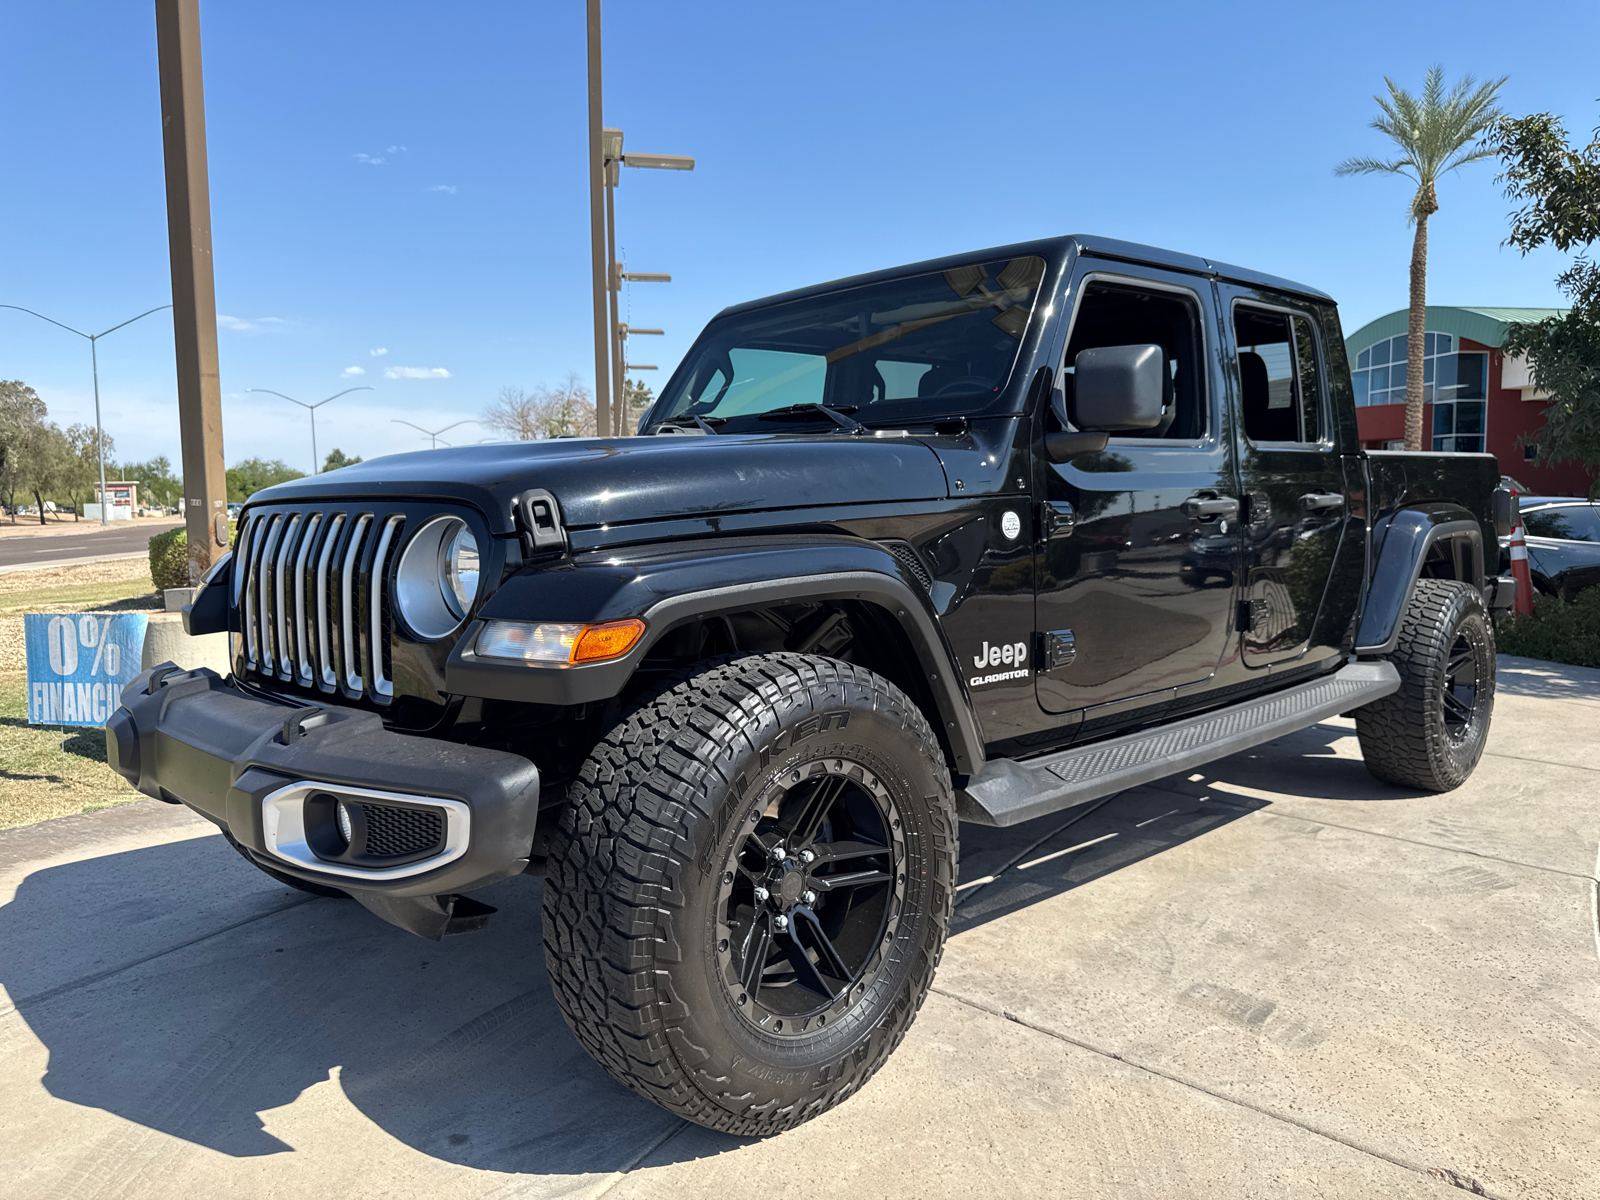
<point x="1519" y="572"/>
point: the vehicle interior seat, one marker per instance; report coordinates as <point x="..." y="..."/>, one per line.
<point x="1262" y="424"/>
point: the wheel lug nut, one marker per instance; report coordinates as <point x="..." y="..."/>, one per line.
<point x="762" y="894"/>
<point x="807" y="856"/>
<point x="781" y="921"/>
<point x="809" y="897"/>
<point x="779" y="853"/>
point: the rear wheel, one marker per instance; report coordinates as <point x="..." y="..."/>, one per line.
<point x="1431" y="733"/>
<point x="750" y="889"/>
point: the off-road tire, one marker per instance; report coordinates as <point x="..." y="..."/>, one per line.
<point x="299" y="885"/>
<point x="1406" y="737"/>
<point x="631" y="898"/>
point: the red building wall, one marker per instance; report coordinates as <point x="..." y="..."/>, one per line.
<point x="1509" y="417"/>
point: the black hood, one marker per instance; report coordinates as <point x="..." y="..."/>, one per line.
<point x="602" y="481"/>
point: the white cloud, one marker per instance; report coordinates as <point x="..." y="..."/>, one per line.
<point x="443" y="187"/>
<point x="349" y="371"/>
<point x="395" y="150"/>
<point x="250" y="325"/>
<point x="379" y="352"/>
<point x="416" y="373"/>
<point x="372" y="160"/>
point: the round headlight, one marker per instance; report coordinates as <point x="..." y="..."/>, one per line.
<point x="437" y="579"/>
<point x="461" y="571"/>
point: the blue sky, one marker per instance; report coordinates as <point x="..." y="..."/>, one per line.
<point x="408" y="178"/>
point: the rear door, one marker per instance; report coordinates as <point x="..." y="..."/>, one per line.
<point x="1293" y="485"/>
<point x="1138" y="547"/>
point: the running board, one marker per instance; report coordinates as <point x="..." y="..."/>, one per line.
<point x="1007" y="792"/>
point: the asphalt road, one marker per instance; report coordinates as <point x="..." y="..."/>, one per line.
<point x="21" y="549"/>
<point x="1272" y="977"/>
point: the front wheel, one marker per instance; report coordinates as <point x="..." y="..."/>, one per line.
<point x="750" y="888"/>
<point x="1431" y="733"/>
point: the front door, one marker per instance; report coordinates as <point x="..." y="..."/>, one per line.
<point x="1137" y="582"/>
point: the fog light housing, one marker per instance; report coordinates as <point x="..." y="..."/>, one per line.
<point x="341" y="814"/>
<point x="558" y="644"/>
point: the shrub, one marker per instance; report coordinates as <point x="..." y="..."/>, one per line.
<point x="1557" y="631"/>
<point x="169" y="557"/>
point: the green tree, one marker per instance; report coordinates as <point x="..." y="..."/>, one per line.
<point x="253" y="474"/>
<point x="1560" y="187"/>
<point x="21" y="413"/>
<point x="337" y="458"/>
<point x="83" y="471"/>
<point x="1435" y="134"/>
<point x="637" y="397"/>
<point x="155" y="478"/>
<point x="45" y="463"/>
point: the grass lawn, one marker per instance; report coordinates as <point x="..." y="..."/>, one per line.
<point x="48" y="771"/>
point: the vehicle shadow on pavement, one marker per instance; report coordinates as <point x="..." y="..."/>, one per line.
<point x="252" y="994"/>
<point x="1003" y="870"/>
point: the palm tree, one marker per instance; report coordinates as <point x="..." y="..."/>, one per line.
<point x="1435" y="133"/>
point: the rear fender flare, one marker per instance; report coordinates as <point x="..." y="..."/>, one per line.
<point x="1403" y="541"/>
<point x="687" y="581"/>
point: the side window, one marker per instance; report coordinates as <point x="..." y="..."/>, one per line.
<point x="1118" y="314"/>
<point x="1575" y="523"/>
<point x="1280" y="376"/>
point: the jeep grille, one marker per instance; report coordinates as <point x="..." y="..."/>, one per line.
<point x="308" y="609"/>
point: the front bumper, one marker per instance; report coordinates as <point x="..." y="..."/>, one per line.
<point x="245" y="762"/>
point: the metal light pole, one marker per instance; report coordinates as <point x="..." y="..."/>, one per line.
<point x="433" y="434"/>
<point x="94" y="365"/>
<point x="316" y="463"/>
<point x="624" y="332"/>
<point x="614" y="161"/>
<point x="597" y="226"/>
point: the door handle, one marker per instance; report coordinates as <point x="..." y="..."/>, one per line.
<point x="1206" y="508"/>
<point x="1320" y="501"/>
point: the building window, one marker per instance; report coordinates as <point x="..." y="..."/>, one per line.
<point x="1530" y="453"/>
<point x="1453" y="382"/>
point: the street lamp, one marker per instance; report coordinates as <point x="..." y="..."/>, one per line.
<point x="433" y="434"/>
<point x="94" y="361"/>
<point x="613" y="161"/>
<point x="316" y="463"/>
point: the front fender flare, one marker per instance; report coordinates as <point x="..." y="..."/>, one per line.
<point x="667" y="586"/>
<point x="1403" y="540"/>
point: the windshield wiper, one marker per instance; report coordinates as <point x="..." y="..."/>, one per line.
<point x="836" y="415"/>
<point x="695" y="420"/>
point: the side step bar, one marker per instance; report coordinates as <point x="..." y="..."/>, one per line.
<point x="1007" y="792"/>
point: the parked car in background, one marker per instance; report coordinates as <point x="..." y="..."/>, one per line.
<point x="1563" y="535"/>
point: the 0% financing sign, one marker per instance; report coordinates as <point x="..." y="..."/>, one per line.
<point x="78" y="664"/>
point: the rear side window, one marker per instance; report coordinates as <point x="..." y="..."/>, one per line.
<point x="1280" y="376"/>
<point x="1577" y="523"/>
<point x="1119" y="314"/>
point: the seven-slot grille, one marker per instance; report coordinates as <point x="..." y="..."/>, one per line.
<point x="309" y="612"/>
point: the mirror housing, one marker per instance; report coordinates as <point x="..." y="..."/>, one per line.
<point x="1505" y="509"/>
<point x="1119" y="388"/>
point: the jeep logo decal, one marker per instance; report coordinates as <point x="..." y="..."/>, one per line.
<point x="1008" y="654"/>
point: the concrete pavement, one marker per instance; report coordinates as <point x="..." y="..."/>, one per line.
<point x="1273" y="977"/>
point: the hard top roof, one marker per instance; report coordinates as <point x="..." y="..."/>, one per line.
<point x="1053" y="250"/>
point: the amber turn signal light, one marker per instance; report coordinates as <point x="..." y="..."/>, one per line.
<point x="611" y="640"/>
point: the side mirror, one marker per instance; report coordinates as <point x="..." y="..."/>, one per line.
<point x="1119" y="387"/>
<point x="1505" y="509"/>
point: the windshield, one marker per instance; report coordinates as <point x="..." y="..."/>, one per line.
<point x="904" y="351"/>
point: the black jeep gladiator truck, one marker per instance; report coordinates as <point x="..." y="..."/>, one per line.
<point x="977" y="539"/>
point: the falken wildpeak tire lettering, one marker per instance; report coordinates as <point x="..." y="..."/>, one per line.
<point x="1408" y="738"/>
<point x="653" y="827"/>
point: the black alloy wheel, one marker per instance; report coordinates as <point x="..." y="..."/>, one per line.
<point x="811" y="897"/>
<point x="1458" y="699"/>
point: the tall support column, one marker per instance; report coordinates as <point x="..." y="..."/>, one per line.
<point x="597" y="232"/>
<point x="613" y="167"/>
<point x="194" y="298"/>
